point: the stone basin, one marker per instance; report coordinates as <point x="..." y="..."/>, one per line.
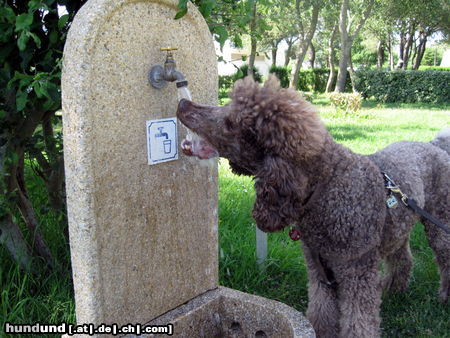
<point x="224" y="312"/>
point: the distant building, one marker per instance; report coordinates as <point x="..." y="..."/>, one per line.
<point x="446" y="59"/>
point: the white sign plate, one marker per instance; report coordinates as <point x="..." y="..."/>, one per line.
<point x="162" y="140"/>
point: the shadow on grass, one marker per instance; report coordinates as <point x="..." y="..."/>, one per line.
<point x="348" y="132"/>
<point x="323" y="100"/>
<point x="424" y="106"/>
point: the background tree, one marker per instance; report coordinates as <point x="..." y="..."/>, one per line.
<point x="307" y="18"/>
<point x="415" y="22"/>
<point x="32" y="37"/>
<point x="231" y="19"/>
<point x="352" y="18"/>
<point x="282" y="28"/>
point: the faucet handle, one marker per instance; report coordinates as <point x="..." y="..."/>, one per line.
<point x="169" y="56"/>
<point x="168" y="49"/>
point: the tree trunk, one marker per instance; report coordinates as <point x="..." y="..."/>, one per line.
<point x="401" y="51"/>
<point x="351" y="72"/>
<point x="331" y="60"/>
<point x="55" y="171"/>
<point x="347" y="40"/>
<point x="343" y="63"/>
<point x="251" y="62"/>
<point x="413" y="58"/>
<point x="304" y="42"/>
<point x="11" y="237"/>
<point x="275" y="44"/>
<point x="345" y="48"/>
<point x="29" y="216"/>
<point x="274" y="50"/>
<point x="420" y="50"/>
<point x="312" y="59"/>
<point x="290" y="42"/>
<point x="391" y="54"/>
<point x="408" y="45"/>
<point x="10" y="234"/>
<point x="380" y="54"/>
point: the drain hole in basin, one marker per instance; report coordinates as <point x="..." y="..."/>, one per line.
<point x="260" y="333"/>
<point x="235" y="327"/>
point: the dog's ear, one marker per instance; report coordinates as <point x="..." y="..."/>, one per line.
<point x="277" y="195"/>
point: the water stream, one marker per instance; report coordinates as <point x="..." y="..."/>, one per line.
<point x="184" y="93"/>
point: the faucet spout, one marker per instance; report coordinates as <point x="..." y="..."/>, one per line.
<point x="159" y="76"/>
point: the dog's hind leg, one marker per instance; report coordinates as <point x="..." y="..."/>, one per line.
<point x="438" y="204"/>
<point x="398" y="269"/>
<point x="440" y="243"/>
<point x="323" y="311"/>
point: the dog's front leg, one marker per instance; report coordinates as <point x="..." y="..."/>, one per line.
<point x="359" y="296"/>
<point x="323" y="311"/>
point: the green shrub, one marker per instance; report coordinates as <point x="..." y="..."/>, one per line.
<point x="315" y="80"/>
<point x="282" y="73"/>
<point x="413" y="86"/>
<point x="225" y="85"/>
<point x="243" y="72"/>
<point x="346" y="102"/>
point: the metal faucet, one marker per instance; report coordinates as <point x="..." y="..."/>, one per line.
<point x="159" y="76"/>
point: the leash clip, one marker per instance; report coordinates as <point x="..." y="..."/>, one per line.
<point x="393" y="187"/>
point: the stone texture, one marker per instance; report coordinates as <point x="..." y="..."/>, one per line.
<point x="229" y="313"/>
<point x="143" y="238"/>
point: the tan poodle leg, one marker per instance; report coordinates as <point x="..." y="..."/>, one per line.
<point x="398" y="269"/>
<point x="359" y="294"/>
<point x="323" y="312"/>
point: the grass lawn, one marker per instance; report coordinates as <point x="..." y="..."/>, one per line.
<point x="416" y="313"/>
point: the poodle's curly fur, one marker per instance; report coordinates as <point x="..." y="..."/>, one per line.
<point x="335" y="198"/>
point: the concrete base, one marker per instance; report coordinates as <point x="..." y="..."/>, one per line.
<point x="224" y="312"/>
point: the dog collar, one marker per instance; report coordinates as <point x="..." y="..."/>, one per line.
<point x="294" y="234"/>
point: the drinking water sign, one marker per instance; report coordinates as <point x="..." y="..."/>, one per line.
<point x="162" y="140"/>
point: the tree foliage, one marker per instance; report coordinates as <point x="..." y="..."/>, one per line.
<point x="32" y="36"/>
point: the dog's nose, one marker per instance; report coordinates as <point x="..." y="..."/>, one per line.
<point x="183" y="105"/>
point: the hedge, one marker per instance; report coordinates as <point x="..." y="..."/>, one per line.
<point x="243" y="72"/>
<point x="282" y="73"/>
<point x="430" y="86"/>
<point x="315" y="80"/>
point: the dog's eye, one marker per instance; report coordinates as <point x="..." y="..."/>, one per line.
<point x="249" y="137"/>
<point x="228" y="124"/>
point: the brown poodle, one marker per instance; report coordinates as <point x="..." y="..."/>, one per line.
<point x="335" y="198"/>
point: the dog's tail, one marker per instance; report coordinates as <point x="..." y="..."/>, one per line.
<point x="442" y="140"/>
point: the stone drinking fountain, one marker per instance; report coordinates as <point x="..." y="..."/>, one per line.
<point x="142" y="217"/>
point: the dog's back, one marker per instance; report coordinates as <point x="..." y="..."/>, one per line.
<point x="442" y="140"/>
